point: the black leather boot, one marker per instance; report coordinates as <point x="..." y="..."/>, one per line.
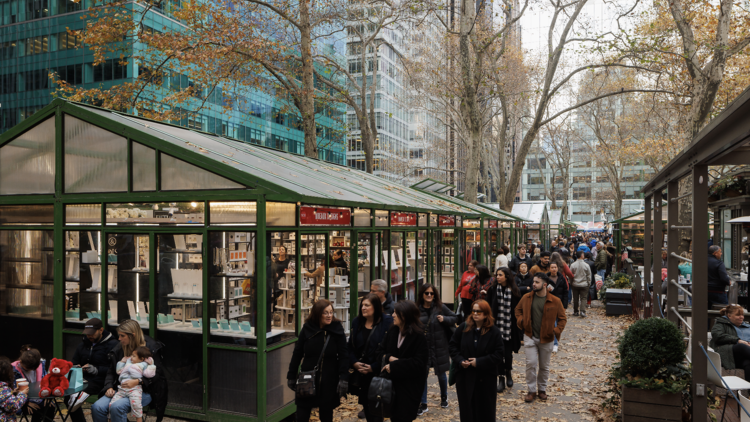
<point x="509" y="379"/>
<point x="500" y="384"/>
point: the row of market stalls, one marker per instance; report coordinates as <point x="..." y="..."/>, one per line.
<point x="684" y="222"/>
<point x="209" y="243"/>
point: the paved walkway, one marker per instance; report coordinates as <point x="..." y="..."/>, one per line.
<point x="576" y="386"/>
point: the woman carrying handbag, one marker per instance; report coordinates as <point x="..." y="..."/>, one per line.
<point x="403" y="354"/>
<point x="323" y="377"/>
<point x="477" y="351"/>
<point x="368" y="331"/>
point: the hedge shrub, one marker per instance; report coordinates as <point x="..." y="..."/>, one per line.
<point x="650" y="344"/>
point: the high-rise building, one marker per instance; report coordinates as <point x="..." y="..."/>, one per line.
<point x="34" y="41"/>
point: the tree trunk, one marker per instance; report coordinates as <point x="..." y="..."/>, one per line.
<point x="469" y="106"/>
<point x="307" y="99"/>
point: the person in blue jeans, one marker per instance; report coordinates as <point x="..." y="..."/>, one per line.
<point x="130" y="337"/>
<point x="437" y="320"/>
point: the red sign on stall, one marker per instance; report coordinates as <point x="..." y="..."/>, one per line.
<point x="316" y="216"/>
<point x="447" y="221"/>
<point x="493" y="224"/>
<point x="403" y="219"/>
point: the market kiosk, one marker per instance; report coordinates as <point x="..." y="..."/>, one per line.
<point x="216" y="247"/>
<point x="538" y="226"/>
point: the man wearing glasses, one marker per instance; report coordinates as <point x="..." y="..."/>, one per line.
<point x="536" y="313"/>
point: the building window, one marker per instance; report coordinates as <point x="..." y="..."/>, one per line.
<point x="72" y="74"/>
<point x="37" y="45"/>
<point x="67" y="6"/>
<point x="66" y="41"/>
<point x="8" y="50"/>
<point x="109" y="70"/>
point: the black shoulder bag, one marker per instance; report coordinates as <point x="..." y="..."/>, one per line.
<point x="353" y="373"/>
<point x="306" y="379"/>
<point x="380" y="394"/>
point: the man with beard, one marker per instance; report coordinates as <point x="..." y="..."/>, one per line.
<point x="536" y="314"/>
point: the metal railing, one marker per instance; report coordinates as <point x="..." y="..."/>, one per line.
<point x="673" y="309"/>
<point x="672" y="281"/>
<point x="682" y="258"/>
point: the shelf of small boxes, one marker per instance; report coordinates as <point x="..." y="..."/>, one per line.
<point x="340" y="295"/>
<point x="286" y="302"/>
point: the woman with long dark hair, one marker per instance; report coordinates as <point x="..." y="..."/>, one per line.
<point x="481" y="284"/>
<point x="368" y="331"/>
<point x="477" y="349"/>
<point x="437" y="320"/>
<point x="403" y="355"/>
<point x="503" y="298"/>
<point x="321" y="334"/>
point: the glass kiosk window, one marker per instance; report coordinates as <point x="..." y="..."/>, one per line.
<point x="179" y="306"/>
<point x="338" y="276"/>
<point x="83" y="278"/>
<point x="394" y="256"/>
<point x="282" y="280"/>
<point x="232" y="305"/>
<point x="128" y="291"/>
<point x="313" y="254"/>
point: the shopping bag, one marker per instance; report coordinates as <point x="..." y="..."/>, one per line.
<point x="76" y="378"/>
<point x="452" y="374"/>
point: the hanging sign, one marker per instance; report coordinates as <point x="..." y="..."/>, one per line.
<point x="403" y="219"/>
<point x="317" y="216"/>
<point x="493" y="224"/>
<point x="447" y="221"/>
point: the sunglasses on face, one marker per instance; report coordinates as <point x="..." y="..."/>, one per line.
<point x="429" y="294"/>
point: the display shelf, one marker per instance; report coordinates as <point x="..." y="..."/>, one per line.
<point x="177" y="298"/>
<point x="233" y="275"/>
<point x="27" y="260"/>
<point x="185" y="251"/>
<point x="135" y="271"/>
<point x="338" y="286"/>
<point x="280" y="288"/>
<point x="113" y="322"/>
<point x="231" y="298"/>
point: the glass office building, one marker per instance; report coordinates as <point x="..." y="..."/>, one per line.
<point x="34" y="41"/>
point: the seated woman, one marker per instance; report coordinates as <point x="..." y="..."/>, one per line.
<point x="131" y="337"/>
<point x="730" y="338"/>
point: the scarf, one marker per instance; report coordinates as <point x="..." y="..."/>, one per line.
<point x="504" y="309"/>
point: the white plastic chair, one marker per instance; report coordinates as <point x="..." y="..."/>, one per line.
<point x="734" y="383"/>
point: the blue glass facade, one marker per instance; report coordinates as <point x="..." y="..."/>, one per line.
<point x="34" y="42"/>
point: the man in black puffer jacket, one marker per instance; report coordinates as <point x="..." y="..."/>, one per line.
<point x="91" y="355"/>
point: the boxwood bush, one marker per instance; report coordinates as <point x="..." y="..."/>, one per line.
<point x="650" y="344"/>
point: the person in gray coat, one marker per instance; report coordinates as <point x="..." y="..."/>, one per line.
<point x="438" y="322"/>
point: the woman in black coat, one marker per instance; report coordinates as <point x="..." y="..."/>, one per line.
<point x="437" y="320"/>
<point x="332" y="378"/>
<point x="368" y="331"/>
<point x="477" y="350"/>
<point x="503" y="298"/>
<point x="524" y="279"/>
<point x="404" y="354"/>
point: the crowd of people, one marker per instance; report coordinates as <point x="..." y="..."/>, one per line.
<point x="520" y="303"/>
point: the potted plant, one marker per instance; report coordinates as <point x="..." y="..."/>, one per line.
<point x="615" y="281"/>
<point x="651" y="375"/>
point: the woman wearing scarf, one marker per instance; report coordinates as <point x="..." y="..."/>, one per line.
<point x="503" y="298"/>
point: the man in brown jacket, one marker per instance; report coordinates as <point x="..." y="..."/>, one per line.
<point x="536" y="313"/>
<point x="542" y="265"/>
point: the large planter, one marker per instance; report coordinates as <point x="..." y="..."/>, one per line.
<point x="732" y="193"/>
<point x="650" y="406"/>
